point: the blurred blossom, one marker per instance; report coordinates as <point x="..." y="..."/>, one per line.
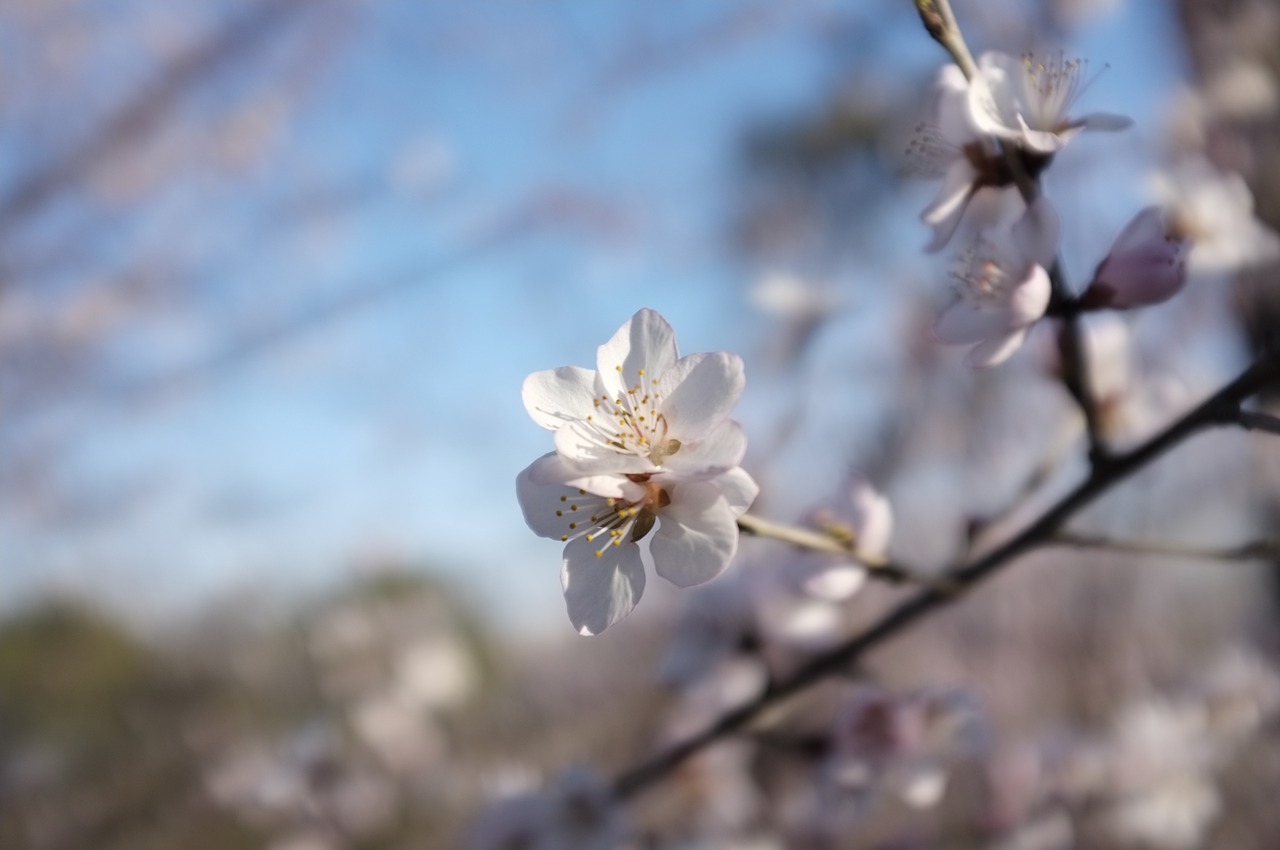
<point x="1002" y="287"/>
<point x="644" y="444"/>
<point x="403" y="737"/>
<point x="863" y="520"/>
<point x="578" y="812"/>
<point x="1146" y="265"/>
<point x="718" y="624"/>
<point x="904" y="745"/>
<point x="1025" y="100"/>
<point x="1215" y="208"/>
<point x="1132" y="402"/>
<point x="948" y="147"/>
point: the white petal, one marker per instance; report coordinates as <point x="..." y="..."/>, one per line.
<point x="1037" y="233"/>
<point x="600" y="591"/>
<point x="944" y="214"/>
<point x="951" y="106"/>
<point x="539" y="499"/>
<point x="556" y="396"/>
<point x="1029" y="299"/>
<point x="645" y="342"/>
<point x="589" y="452"/>
<point x="738" y="488"/>
<point x="872" y="519"/>
<point x="996" y="350"/>
<point x="1045" y="141"/>
<point x="720" y="450"/>
<point x="1104" y="121"/>
<point x="699" y="391"/>
<point x="963" y="322"/>
<point x="697" y="535"/>
<point x="992" y="96"/>
<point x="836" y="583"/>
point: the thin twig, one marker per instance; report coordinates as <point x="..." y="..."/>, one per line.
<point x="1256" y="550"/>
<point x="1255" y="421"/>
<point x="1102" y="477"/>
<point x="806" y="538"/>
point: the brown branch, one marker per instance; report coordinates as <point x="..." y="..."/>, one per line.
<point x="1102" y="477"/>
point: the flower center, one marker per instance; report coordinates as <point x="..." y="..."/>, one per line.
<point x="981" y="277"/>
<point x="612" y="521"/>
<point x="1054" y="84"/>
<point x="632" y="423"/>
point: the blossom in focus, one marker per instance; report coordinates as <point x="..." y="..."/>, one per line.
<point x="644" y="409"/>
<point x="1146" y="265"/>
<point x="1025" y="100"/>
<point x="864" y="521"/>
<point x="949" y="148"/>
<point x="645" y="469"/>
<point x="1002" y="287"/>
<point x="579" y="812"/>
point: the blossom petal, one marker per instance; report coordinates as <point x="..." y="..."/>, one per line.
<point x="836" y="583"/>
<point x="699" y="391"/>
<point x="600" y="590"/>
<point x="555" y="397"/>
<point x="1037" y="232"/>
<point x="872" y="518"/>
<point x="964" y="322"/>
<point x="992" y="97"/>
<point x="552" y="470"/>
<point x="958" y="187"/>
<point x="641" y="350"/>
<point x="589" y="451"/>
<point x="738" y="488"/>
<point x="950" y="107"/>
<point x="996" y="350"/>
<point x="697" y="535"/>
<point x="540" y="499"/>
<point x="1029" y="299"/>
<point x="720" y="450"/>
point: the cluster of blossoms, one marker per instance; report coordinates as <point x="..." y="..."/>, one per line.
<point x="988" y="133"/>
<point x="645" y="469"/>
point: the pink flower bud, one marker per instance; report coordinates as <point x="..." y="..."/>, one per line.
<point x="1147" y="264"/>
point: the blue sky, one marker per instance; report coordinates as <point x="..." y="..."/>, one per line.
<point x="395" y="431"/>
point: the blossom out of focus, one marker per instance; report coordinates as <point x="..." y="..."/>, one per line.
<point x="1002" y="287"/>
<point x="1025" y="100"/>
<point x="1146" y="265"/>
<point x="645" y="469"/>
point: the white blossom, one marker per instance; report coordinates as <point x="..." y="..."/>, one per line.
<point x="1002" y="287"/>
<point x="644" y="409"/>
<point x="1025" y="101"/>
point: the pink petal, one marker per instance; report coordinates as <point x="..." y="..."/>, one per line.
<point x="963" y="322"/>
<point x="944" y="214"/>
<point x="1029" y="299"/>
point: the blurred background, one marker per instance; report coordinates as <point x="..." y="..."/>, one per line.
<point x="271" y="275"/>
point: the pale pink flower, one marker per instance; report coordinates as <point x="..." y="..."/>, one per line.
<point x="613" y="524"/>
<point x="949" y="148"/>
<point x="1002" y="287"/>
<point x="863" y="519"/>
<point x="1025" y="101"/>
<point x="645" y="454"/>
<point x="1146" y="265"/>
<point x="644" y="409"/>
